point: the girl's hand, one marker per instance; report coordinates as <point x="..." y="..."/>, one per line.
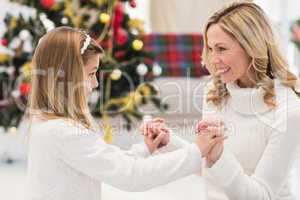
<point x="211" y="125"/>
<point x="154" y="144"/>
<point x="152" y="129"/>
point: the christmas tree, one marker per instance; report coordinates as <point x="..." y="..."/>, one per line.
<point x="127" y="68"/>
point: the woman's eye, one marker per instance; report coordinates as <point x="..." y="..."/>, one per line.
<point x="221" y="49"/>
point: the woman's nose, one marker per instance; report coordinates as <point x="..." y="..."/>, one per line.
<point x="215" y="59"/>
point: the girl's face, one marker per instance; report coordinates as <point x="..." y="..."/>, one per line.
<point x="91" y="69"/>
<point x="228" y="58"/>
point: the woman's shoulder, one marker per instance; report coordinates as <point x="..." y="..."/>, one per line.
<point x="288" y="103"/>
<point x="286" y="96"/>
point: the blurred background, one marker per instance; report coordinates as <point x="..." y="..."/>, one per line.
<point x="152" y="66"/>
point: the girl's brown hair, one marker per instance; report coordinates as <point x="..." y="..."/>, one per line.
<point x="58" y="76"/>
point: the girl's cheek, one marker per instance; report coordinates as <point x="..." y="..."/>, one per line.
<point x="88" y="87"/>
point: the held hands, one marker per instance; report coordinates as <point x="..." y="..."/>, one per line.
<point x="210" y="139"/>
<point x="156" y="134"/>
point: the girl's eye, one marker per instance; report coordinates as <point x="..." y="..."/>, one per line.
<point x="92" y="74"/>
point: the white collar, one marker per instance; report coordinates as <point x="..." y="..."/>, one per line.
<point x="248" y="101"/>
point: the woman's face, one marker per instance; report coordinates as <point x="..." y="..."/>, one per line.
<point x="91" y="68"/>
<point x="228" y="58"/>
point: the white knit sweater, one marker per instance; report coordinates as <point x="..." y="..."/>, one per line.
<point x="261" y="146"/>
<point x="69" y="162"/>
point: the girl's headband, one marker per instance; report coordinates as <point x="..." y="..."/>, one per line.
<point x="86" y="43"/>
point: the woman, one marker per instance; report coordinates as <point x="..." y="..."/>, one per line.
<point x="254" y="95"/>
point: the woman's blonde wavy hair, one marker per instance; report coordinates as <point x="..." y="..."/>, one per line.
<point x="247" y="23"/>
<point x="58" y="76"/>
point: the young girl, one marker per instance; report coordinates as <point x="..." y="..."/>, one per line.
<point x="68" y="159"/>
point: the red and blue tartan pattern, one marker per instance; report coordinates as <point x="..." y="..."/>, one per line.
<point x="178" y="55"/>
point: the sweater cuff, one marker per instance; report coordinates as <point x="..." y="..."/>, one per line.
<point x="141" y="149"/>
<point x="225" y="169"/>
<point x="194" y="149"/>
<point x="175" y="143"/>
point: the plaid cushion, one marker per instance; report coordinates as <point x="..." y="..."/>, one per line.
<point x="178" y="55"/>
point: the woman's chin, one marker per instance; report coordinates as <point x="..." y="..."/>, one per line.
<point x="225" y="80"/>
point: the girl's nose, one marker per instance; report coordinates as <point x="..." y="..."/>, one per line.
<point x="95" y="83"/>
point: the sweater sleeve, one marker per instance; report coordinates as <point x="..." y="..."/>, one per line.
<point x="271" y="171"/>
<point x="175" y="143"/>
<point x="139" y="150"/>
<point x="88" y="153"/>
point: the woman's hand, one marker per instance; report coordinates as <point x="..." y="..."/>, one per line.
<point x="211" y="128"/>
<point x="156" y="134"/>
<point x="214" y="155"/>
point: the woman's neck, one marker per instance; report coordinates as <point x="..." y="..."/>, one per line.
<point x="245" y="83"/>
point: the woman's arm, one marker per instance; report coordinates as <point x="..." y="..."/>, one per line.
<point x="271" y="171"/>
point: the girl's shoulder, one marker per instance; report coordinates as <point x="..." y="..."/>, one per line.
<point x="57" y="126"/>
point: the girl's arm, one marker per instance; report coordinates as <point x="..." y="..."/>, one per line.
<point x="175" y="143"/>
<point x="139" y="150"/>
<point x="89" y="154"/>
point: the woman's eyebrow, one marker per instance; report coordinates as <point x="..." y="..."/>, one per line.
<point x="218" y="44"/>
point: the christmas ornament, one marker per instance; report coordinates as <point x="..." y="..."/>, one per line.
<point x="64" y="20"/>
<point x="118" y="16"/>
<point x="47" y="4"/>
<point x="104" y="18"/>
<point x="137" y="45"/>
<point x="10" y="70"/>
<point x="136" y="24"/>
<point x="4" y="42"/>
<point x="142" y="69"/>
<point x="156" y="69"/>
<point x="26" y="69"/>
<point x="48" y="24"/>
<point x="24" y="88"/>
<point x="121" y="37"/>
<point x="133" y="3"/>
<point x="119" y="54"/>
<point x="13" y="23"/>
<point x="116" y="74"/>
<point x="3" y="57"/>
<point x="24" y="35"/>
<point x="16" y="94"/>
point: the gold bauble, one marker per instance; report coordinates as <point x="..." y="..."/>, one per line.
<point x="137" y="45"/>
